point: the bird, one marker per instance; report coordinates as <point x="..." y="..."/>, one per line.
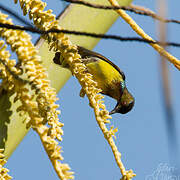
<point x="110" y="79"/>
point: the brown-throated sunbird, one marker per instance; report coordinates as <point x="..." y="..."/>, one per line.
<point x="110" y="79"/>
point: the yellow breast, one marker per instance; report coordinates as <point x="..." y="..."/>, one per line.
<point x="103" y="73"/>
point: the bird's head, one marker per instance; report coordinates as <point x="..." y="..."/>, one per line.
<point x="125" y="103"/>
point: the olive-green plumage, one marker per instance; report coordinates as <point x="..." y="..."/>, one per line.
<point x="110" y="79"/>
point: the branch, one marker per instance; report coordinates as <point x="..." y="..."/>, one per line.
<point x="80" y="33"/>
<point x="147" y="12"/>
<point x="132" y="8"/>
<point x="145" y="36"/>
<point x="167" y="102"/>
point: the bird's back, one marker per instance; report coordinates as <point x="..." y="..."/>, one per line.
<point x="108" y="76"/>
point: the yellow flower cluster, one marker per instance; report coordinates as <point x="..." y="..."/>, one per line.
<point x="7" y="67"/>
<point x="3" y="171"/>
<point x="44" y="20"/>
<point x="40" y="105"/>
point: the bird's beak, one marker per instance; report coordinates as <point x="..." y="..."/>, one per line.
<point x="125" y="104"/>
<point x="112" y="112"/>
<point x="115" y="109"/>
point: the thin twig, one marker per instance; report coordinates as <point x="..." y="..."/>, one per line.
<point x="147" y="12"/>
<point x="80" y="33"/>
<point x="132" y="8"/>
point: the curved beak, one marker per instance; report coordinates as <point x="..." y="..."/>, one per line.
<point x="115" y="109"/>
<point x="112" y="112"/>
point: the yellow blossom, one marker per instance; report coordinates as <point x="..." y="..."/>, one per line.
<point x="3" y="171"/>
<point x="39" y="103"/>
<point x="59" y="42"/>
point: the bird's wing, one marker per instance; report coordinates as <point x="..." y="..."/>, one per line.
<point x="85" y="53"/>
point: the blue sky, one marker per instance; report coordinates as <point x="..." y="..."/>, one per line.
<point x="142" y="135"/>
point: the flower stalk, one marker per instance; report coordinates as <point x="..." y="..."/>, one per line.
<point x="141" y="32"/>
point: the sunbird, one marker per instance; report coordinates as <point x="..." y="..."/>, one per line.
<point x="110" y="79"/>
